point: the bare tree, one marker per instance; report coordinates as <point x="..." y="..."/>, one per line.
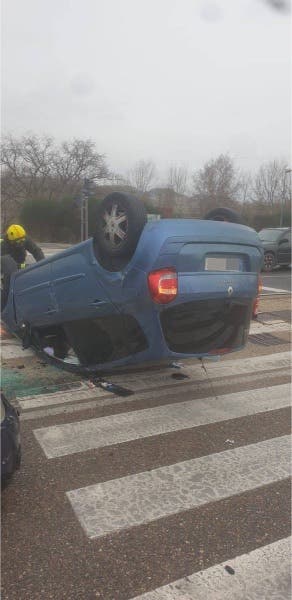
<point x="142" y="175"/>
<point x="245" y="191"/>
<point x="78" y="159"/>
<point x="177" y="179"/>
<point x="26" y="163"/>
<point x="35" y="167"/>
<point x="217" y="183"/>
<point x="270" y="184"/>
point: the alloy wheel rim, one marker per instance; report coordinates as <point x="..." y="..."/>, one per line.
<point x="115" y="227"/>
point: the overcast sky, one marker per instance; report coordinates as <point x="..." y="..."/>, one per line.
<point x="176" y="81"/>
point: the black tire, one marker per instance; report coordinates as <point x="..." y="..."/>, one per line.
<point x="269" y="262"/>
<point x="8" y="267"/>
<point x="120" y="221"/>
<point x="224" y="214"/>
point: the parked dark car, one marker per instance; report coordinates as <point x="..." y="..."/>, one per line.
<point x="140" y="293"/>
<point x="10" y="438"/>
<point x="277" y="247"/>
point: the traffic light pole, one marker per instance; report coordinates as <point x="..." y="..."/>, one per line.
<point x="84" y="219"/>
<point x="84" y="210"/>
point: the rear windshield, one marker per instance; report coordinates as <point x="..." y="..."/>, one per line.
<point x="270" y="235"/>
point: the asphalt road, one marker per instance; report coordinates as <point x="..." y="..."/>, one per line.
<point x="279" y="281"/>
<point x="178" y="491"/>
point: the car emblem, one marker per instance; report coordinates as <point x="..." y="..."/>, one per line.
<point x="230" y="290"/>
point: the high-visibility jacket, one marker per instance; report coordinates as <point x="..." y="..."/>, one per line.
<point x="18" y="250"/>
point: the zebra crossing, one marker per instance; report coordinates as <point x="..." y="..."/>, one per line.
<point x="60" y="440"/>
<point x="251" y="571"/>
<point x="227" y="428"/>
<point x="138" y="499"/>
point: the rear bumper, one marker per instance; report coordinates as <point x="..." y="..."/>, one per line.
<point x="191" y="329"/>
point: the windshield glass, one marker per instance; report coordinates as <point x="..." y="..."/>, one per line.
<point x="270" y="235"/>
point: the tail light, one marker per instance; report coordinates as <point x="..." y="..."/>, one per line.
<point x="163" y="285"/>
<point x="255" y="308"/>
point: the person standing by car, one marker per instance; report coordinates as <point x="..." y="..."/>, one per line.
<point x="16" y="243"/>
<point x="14" y="247"/>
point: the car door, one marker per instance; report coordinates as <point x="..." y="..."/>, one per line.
<point x="284" y="251"/>
<point x="34" y="296"/>
<point x="78" y="287"/>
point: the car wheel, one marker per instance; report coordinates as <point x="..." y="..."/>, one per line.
<point x="224" y="214"/>
<point x="269" y="261"/>
<point x="120" y="221"/>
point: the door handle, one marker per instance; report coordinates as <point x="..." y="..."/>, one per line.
<point x="97" y="302"/>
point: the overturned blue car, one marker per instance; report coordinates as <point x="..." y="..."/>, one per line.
<point x="139" y="294"/>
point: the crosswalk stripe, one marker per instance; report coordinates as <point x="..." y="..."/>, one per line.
<point x="275" y="290"/>
<point x="14" y="350"/>
<point x="61" y="440"/>
<point x="210" y="369"/>
<point x="71" y="401"/>
<point x="62" y="397"/>
<point x="154" y="379"/>
<point x="261" y="574"/>
<point x="255" y="363"/>
<point x="137" y="499"/>
<point x="270" y="327"/>
<point x="164" y="392"/>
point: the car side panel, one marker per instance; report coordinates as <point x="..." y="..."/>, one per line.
<point x="34" y="296"/>
<point x="66" y="286"/>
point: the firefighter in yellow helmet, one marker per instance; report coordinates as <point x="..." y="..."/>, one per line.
<point x="16" y="243"/>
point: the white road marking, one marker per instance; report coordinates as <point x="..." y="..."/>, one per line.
<point x="138" y="499"/>
<point x="261" y="574"/>
<point x="275" y="290"/>
<point x="153" y="380"/>
<point x="255" y="363"/>
<point x="14" y="350"/>
<point x="61" y="440"/>
<point x="61" y="397"/>
<point x="111" y="399"/>
<point x="274" y="327"/>
<point x="219" y="368"/>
